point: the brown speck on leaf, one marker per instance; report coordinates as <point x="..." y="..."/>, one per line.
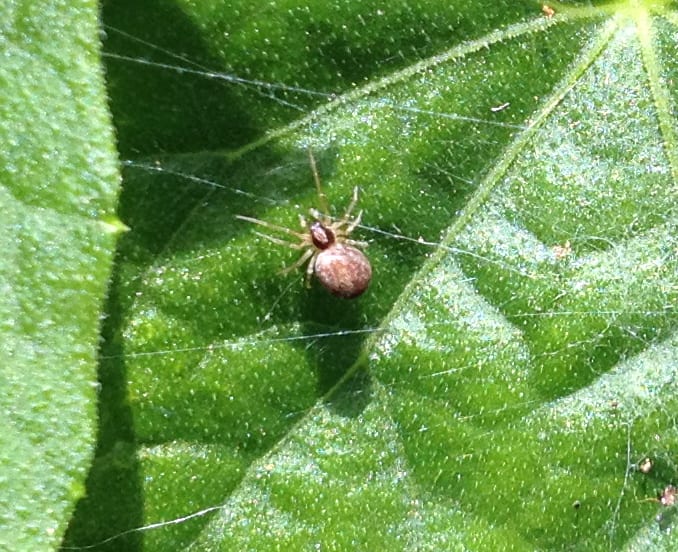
<point x="668" y="496"/>
<point x="562" y="251"/>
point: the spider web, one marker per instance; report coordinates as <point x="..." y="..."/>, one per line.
<point x="512" y="365"/>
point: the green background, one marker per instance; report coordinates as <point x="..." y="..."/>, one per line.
<point x="498" y="386"/>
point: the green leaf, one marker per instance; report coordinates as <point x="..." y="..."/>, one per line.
<point x="59" y="179"/>
<point x="513" y="363"/>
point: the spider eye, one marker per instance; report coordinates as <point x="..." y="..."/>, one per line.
<point x="322" y="236"/>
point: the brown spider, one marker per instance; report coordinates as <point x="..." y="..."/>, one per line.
<point x="332" y="256"/>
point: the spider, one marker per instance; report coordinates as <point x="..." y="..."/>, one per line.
<point x="332" y="256"/>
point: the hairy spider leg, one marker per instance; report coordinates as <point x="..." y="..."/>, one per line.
<point x="349" y="209"/>
<point x="278" y="241"/>
<point x="310" y="269"/>
<point x="308" y="254"/>
<point x="356" y="243"/>
<point x="322" y="217"/>
<point x="355" y="222"/>
<point x="265" y="224"/>
<point x="322" y="198"/>
<point x="327" y="220"/>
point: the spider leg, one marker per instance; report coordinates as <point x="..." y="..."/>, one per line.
<point x="278" y="241"/>
<point x="338" y="226"/>
<point x="351" y="206"/>
<point x="310" y="269"/>
<point x="356" y="243"/>
<point x="355" y="222"/>
<point x="322" y="198"/>
<point x="305" y="257"/>
<point x="272" y="226"/>
<point x="322" y="217"/>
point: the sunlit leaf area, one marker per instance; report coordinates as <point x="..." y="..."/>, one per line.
<point x="184" y="373"/>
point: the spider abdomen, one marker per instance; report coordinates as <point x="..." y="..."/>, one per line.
<point x="343" y="270"/>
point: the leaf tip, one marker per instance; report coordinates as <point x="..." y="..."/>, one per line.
<point x="114" y="225"/>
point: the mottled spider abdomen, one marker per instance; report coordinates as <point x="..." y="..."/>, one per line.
<point x="343" y="270"/>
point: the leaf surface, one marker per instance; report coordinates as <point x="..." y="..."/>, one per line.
<point x="58" y="187"/>
<point x="513" y="363"/>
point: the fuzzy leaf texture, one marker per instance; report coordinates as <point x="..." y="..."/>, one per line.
<point x="59" y="181"/>
<point x="507" y="382"/>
